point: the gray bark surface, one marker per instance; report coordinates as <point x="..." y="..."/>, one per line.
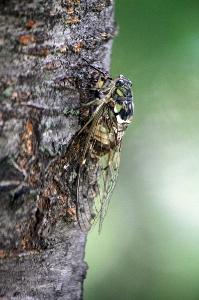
<point x="42" y="46"/>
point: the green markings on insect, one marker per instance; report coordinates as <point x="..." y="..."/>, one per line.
<point x="96" y="149"/>
<point x="117" y="108"/>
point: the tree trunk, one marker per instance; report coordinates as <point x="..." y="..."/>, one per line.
<point x="42" y="73"/>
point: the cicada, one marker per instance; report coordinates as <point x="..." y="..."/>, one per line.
<point x="97" y="147"/>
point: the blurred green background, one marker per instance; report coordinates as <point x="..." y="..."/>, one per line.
<point x="149" y="245"/>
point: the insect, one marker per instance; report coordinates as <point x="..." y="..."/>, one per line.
<point x="97" y="146"/>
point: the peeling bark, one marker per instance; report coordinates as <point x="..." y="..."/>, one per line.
<point x="42" y="44"/>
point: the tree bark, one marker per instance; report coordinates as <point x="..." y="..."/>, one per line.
<point x="42" y="44"/>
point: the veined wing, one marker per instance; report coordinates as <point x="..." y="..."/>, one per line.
<point x="98" y="170"/>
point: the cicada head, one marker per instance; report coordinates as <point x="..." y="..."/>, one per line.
<point x="123" y="99"/>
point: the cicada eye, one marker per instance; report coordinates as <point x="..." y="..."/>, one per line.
<point x="119" y="83"/>
<point x="130" y="83"/>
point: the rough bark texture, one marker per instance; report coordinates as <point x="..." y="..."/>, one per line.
<point x="42" y="44"/>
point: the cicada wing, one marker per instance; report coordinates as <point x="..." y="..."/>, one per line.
<point x="97" y="174"/>
<point x="87" y="190"/>
<point x="96" y="184"/>
<point x="108" y="181"/>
